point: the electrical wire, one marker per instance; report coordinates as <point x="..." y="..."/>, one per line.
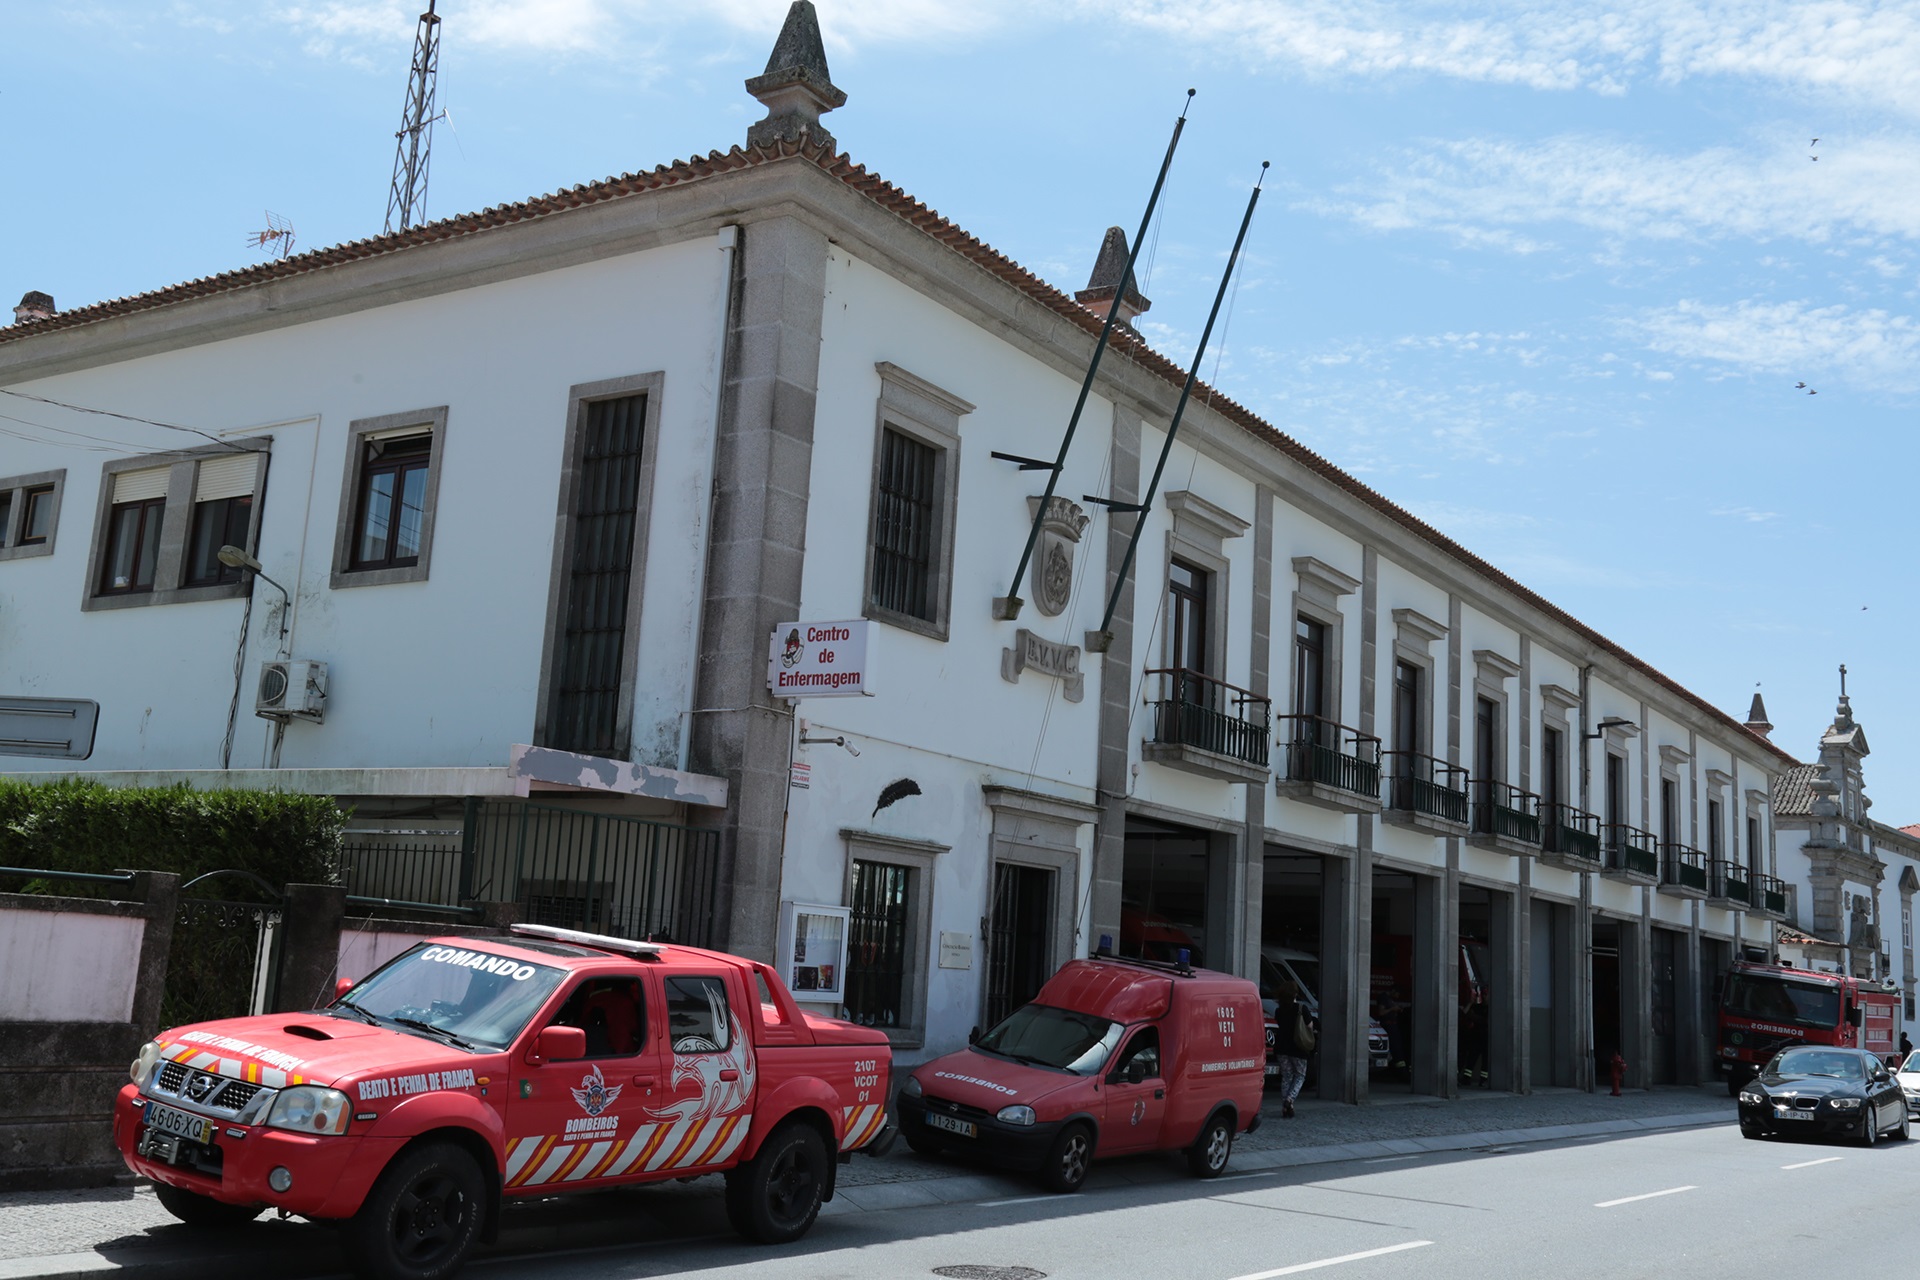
<point x="131" y="417"/>
<point x="239" y="678"/>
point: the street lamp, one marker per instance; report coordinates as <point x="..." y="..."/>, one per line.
<point x="236" y="558"/>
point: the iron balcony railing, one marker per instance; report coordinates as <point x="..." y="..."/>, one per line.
<point x="1730" y="881"/>
<point x="1505" y="811"/>
<point x="1770" y="894"/>
<point x="1683" y="866"/>
<point x="1196" y="710"/>
<point x="1321" y="751"/>
<point x="1421" y="784"/>
<point x="1570" y="832"/>
<point x="1631" y="849"/>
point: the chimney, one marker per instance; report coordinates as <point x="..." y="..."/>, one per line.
<point x="795" y="86"/>
<point x="1103" y="290"/>
<point x="1757" y="717"/>
<point x="34" y="305"/>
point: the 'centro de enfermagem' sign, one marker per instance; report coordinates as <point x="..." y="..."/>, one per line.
<point x="818" y="659"/>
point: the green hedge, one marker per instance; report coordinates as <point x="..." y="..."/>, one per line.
<point x="71" y="825"/>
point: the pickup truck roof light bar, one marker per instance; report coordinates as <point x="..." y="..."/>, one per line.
<point x="600" y="941"/>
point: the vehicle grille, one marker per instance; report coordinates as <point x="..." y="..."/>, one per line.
<point x="948" y="1107"/>
<point x="1805" y="1104"/>
<point x="216" y="1094"/>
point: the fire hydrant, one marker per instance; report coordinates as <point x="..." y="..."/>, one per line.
<point x="1617" y="1068"/>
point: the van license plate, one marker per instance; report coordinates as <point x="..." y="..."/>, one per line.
<point x="166" y="1120"/>
<point x="1784" y="1114"/>
<point x="965" y="1128"/>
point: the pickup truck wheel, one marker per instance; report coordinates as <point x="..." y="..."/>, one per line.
<point x="1207" y="1157"/>
<point x="1068" y="1159"/>
<point x="197" y="1210"/>
<point x="776" y="1197"/>
<point x="421" y="1218"/>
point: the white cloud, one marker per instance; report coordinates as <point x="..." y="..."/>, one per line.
<point x="1481" y="190"/>
<point x="1871" y="347"/>
<point x="1857" y="48"/>
<point x="1749" y="514"/>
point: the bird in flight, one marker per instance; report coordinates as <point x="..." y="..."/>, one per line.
<point x="1814" y="143"/>
<point x="1799" y="386"/>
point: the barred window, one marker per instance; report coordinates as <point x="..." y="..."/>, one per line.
<point x="905" y="531"/>
<point x="877" y="946"/>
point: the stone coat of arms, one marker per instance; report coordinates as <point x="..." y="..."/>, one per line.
<point x="1060" y="530"/>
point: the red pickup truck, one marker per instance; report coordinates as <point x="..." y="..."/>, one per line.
<point x="468" y="1070"/>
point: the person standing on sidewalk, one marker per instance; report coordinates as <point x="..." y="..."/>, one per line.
<point x="1294" y="1041"/>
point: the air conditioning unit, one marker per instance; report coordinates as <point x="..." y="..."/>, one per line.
<point x="294" y="689"/>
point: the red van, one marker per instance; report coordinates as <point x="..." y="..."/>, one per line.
<point x="1113" y="1057"/>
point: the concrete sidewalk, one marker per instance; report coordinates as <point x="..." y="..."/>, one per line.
<point x="51" y="1235"/>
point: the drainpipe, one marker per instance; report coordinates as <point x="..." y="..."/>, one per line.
<point x="727" y="241"/>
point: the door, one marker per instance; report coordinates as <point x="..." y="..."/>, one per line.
<point x="586" y="1120"/>
<point x="1020" y="937"/>
<point x="707" y="1096"/>
<point x="1136" y="1096"/>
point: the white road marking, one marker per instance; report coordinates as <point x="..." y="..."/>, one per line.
<point x="1235" y="1177"/>
<point x="1388" y="1159"/>
<point x="994" y="1204"/>
<point x="1298" y="1267"/>
<point x="1651" y="1195"/>
<point x="1808" y="1164"/>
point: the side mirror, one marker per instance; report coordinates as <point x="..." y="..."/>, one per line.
<point x="1136" y="1071"/>
<point x="559" y="1044"/>
<point x="973" y="1035"/>
<point x="1856" y="1015"/>
<point x="341" y="987"/>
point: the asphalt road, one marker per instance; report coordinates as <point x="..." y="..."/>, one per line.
<point x="1693" y="1203"/>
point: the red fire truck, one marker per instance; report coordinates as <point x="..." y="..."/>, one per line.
<point x="1765" y="1008"/>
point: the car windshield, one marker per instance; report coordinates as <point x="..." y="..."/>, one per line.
<point x="1810" y="1061"/>
<point x="1912" y="1063"/>
<point x="473" y="998"/>
<point x="1044" y="1036"/>
<point x="1769" y="999"/>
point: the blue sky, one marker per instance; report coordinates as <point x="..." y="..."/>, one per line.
<point x="1548" y="277"/>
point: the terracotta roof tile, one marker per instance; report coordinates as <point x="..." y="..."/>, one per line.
<point x="902" y="205"/>
<point x="1793" y="792"/>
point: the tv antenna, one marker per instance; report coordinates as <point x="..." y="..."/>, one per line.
<point x="407" y="198"/>
<point x="277" y="239"/>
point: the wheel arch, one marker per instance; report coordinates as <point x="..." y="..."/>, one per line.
<point x="476" y="1145"/>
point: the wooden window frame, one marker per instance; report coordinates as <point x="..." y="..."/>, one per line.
<point x="21" y="491"/>
<point x="348" y="571"/>
<point x="158" y="506"/>
<point x="170" y="585"/>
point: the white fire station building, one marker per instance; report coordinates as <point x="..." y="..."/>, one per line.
<point x="535" y="507"/>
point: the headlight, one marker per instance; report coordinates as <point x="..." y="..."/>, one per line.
<point x="144" y="1062"/>
<point x="1752" y="1099"/>
<point x="1016" y="1114"/>
<point x="307" y="1109"/>
<point x="1844" y="1104"/>
<point x="911" y="1089"/>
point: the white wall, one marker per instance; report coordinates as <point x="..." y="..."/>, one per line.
<point x="443" y="672"/>
<point x="65" y="966"/>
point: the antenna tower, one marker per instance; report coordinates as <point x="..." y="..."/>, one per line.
<point x="407" y="199"/>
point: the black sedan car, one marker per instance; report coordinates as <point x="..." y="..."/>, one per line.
<point x="1815" y="1091"/>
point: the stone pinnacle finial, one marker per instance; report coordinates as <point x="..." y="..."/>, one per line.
<point x="1757" y="717"/>
<point x="795" y="86"/>
<point x="1103" y="289"/>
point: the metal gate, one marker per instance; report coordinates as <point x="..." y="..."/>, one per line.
<point x="224" y="960"/>
<point x="631" y="877"/>
<point x="1019" y="941"/>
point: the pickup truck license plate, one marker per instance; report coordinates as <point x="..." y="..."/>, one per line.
<point x="965" y="1128"/>
<point x="1273" y="1068"/>
<point x="166" y="1120"/>
<point x="1785" y="1114"/>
